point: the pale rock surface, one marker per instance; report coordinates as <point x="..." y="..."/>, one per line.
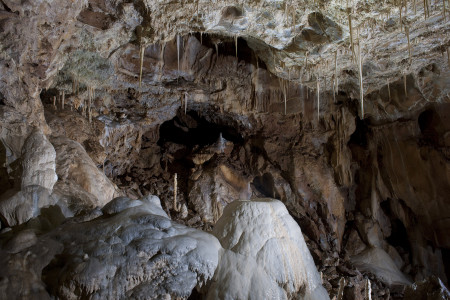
<point x="264" y="256"/>
<point x="38" y="161"/>
<point x="133" y="252"/>
<point x="376" y="261"/>
<point x="17" y="207"/>
<point x="75" y="167"/>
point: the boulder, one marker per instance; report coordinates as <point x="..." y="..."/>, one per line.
<point x="134" y="251"/>
<point x="76" y="168"/>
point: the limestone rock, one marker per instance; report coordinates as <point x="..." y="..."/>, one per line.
<point x="17" y="207"/>
<point x="135" y="252"/>
<point x="74" y="165"/>
<point x="38" y="161"/>
<point x="22" y="259"/>
<point x="214" y="189"/>
<point x="379" y="263"/>
<point x="264" y="256"/>
<point x="431" y="288"/>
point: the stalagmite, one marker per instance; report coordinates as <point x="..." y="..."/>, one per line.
<point x="141" y="61"/>
<point x="340" y="293"/>
<point x="368" y="290"/>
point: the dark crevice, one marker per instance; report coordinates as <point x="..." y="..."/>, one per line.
<point x="360" y="136"/>
<point x="6" y="6"/>
<point x="226" y="46"/>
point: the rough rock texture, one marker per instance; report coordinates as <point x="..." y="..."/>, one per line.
<point x="241" y="100"/>
<point x="133" y="251"/>
<point x="264" y="256"/>
<point x="38" y="162"/>
<point x="17" y="207"/>
<point x="76" y="169"/>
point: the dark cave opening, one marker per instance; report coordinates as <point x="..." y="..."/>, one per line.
<point x="399" y="236"/>
<point x="360" y="136"/>
<point x="227" y="47"/>
<point x="266" y="186"/>
<point x="186" y="135"/>
<point x="194" y="130"/>
<point x="428" y="123"/>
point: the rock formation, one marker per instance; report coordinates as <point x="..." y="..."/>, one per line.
<point x="339" y="110"/>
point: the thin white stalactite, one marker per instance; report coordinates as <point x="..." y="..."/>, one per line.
<point x="409" y="44"/>
<point x="63" y="98"/>
<point x="141" y="63"/>
<point x="404" y="84"/>
<point x="389" y="91"/>
<point x="318" y="99"/>
<point x="361" y="88"/>
<point x="175" y="183"/>
<point x="236" y="44"/>
<point x="178" y="53"/>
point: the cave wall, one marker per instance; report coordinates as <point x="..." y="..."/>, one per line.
<point x="238" y="111"/>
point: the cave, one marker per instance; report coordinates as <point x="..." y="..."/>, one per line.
<point x="224" y="150"/>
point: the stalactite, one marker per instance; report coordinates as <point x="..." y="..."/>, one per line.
<point x="409" y="43"/>
<point x="361" y="88"/>
<point x="236" y="44"/>
<point x="340" y="293"/>
<point x="389" y="91"/>
<point x="318" y="99"/>
<point x="368" y="290"/>
<point x="335" y="76"/>
<point x="141" y="62"/>
<point x="175" y="206"/>
<point x="62" y="100"/>
<point x="217" y="50"/>
<point x="178" y="53"/>
<point x="54" y="102"/>
<point x="185" y="102"/>
<point x="400" y="12"/>
<point x="443" y="9"/>
<point x="201" y="38"/>
<point x="404" y="83"/>
<point x="89" y="104"/>
<point x="448" y="57"/>
<point x="415" y="8"/>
